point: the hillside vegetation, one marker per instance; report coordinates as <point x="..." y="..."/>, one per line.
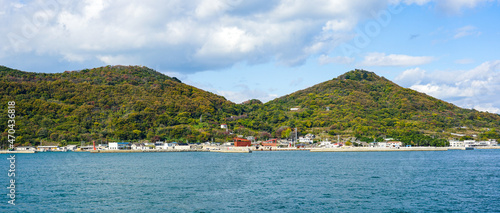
<point x="115" y="103"/>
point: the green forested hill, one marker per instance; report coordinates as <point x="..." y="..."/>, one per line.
<point x="132" y="102"/>
<point x="362" y="104"/>
<point x="109" y="103"/>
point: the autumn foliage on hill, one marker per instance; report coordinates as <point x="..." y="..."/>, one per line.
<point x="131" y="103"/>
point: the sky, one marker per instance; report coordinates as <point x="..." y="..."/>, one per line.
<point x="264" y="49"/>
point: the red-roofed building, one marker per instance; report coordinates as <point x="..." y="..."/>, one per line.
<point x="272" y="142"/>
<point x="242" y="142"/>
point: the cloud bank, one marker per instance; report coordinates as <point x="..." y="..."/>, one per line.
<point x="186" y="36"/>
<point x="476" y="88"/>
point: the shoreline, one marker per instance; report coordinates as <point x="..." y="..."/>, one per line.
<point x="250" y="150"/>
<point x="370" y="149"/>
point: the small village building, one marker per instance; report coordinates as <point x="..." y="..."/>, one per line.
<point x="270" y="143"/>
<point x="138" y="146"/>
<point x="457" y="144"/>
<point x="71" y="147"/>
<point x="182" y="146"/>
<point x="119" y="145"/>
<point x="394" y="144"/>
<point x="223" y="126"/>
<point x="242" y="142"/>
<point x="294" y="109"/>
<point x="47" y="148"/>
<point x="25" y="148"/>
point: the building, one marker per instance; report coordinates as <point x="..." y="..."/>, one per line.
<point x="294" y="109"/>
<point x="469" y="143"/>
<point x="223" y="126"/>
<point x="139" y="146"/>
<point x="182" y="146"/>
<point x="47" y="148"/>
<point x="473" y="143"/>
<point x="25" y="148"/>
<point x="242" y="142"/>
<point x="119" y="145"/>
<point x="270" y="143"/>
<point x="71" y="147"/>
<point x="457" y="144"/>
<point x="394" y="144"/>
<point x="309" y="138"/>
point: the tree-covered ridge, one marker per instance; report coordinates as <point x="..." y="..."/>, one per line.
<point x="116" y="103"/>
<point x="109" y="103"/>
<point x="110" y="75"/>
<point x="362" y="104"/>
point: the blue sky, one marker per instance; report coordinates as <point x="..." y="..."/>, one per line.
<point x="265" y="49"/>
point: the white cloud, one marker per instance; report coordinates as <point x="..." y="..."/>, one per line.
<point x="178" y="35"/>
<point x="476" y="88"/>
<point x="466" y="31"/>
<point x="410" y="77"/>
<point x="185" y="36"/>
<point x="381" y="59"/>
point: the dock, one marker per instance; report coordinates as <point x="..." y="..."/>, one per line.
<point x="374" y="149"/>
<point x="233" y="151"/>
<point x="146" y="150"/>
<point x="17" y="152"/>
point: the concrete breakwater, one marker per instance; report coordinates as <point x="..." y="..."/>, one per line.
<point x="146" y="150"/>
<point x="16" y="152"/>
<point x="371" y="149"/>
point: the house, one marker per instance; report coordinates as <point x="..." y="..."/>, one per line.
<point x="270" y="143"/>
<point x="71" y="147"/>
<point x="86" y="148"/>
<point x="169" y="145"/>
<point x="119" y="145"/>
<point x="158" y="145"/>
<point x="25" y="148"/>
<point x="223" y="126"/>
<point x="305" y="140"/>
<point x="454" y="143"/>
<point x="47" y="148"/>
<point x="381" y="144"/>
<point x="472" y="143"/>
<point x="294" y="109"/>
<point x="138" y="146"/>
<point x="394" y="144"/>
<point x="469" y="143"/>
<point x="182" y="146"/>
<point x="242" y="142"/>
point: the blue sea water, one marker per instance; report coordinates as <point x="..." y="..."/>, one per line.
<point x="300" y="181"/>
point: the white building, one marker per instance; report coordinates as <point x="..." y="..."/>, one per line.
<point x="223" y="126"/>
<point x="305" y="140"/>
<point x="457" y="144"/>
<point x="473" y="143"/>
<point x="381" y="144"/>
<point x="182" y="146"/>
<point x="119" y="145"/>
<point x="25" y="148"/>
<point x="394" y="144"/>
<point x="71" y="147"/>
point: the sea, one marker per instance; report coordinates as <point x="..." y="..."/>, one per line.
<point x="279" y="181"/>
